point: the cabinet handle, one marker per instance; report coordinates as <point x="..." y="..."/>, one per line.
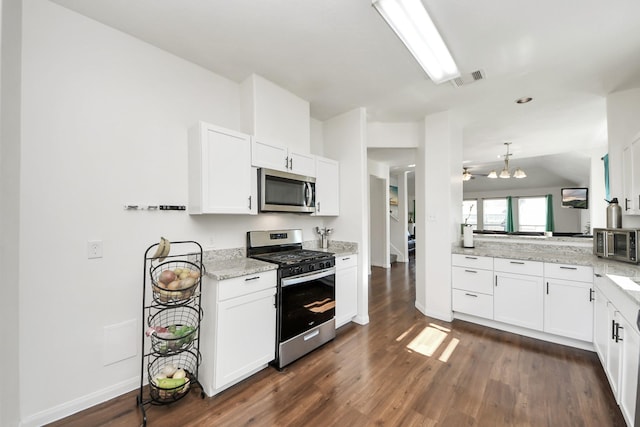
<point x="248" y="279"/>
<point x="613" y="329"/>
<point x="275" y="302"/>
<point x="496" y="281"/>
<point x="471" y="295"/>
<point x="547" y="288"/>
<point x="471" y="257"/>
<point x="470" y="271"/>
<point x="626" y="204"/>
<point x="517" y="262"/>
<point x="249" y="202"/>
<point x="598" y="275"/>
<point x="568" y="268"/>
<point x="318" y="205"/>
<point x="346" y="259"/>
<point x="290" y="162"/>
<point x="618" y="327"/>
<point x="591" y="293"/>
<point x="286" y="162"/>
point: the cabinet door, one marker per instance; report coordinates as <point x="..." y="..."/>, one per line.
<point x="634" y="193"/>
<point x="327" y="187"/>
<point x="246" y="328"/>
<point x="518" y="300"/>
<point x="629" y="370"/>
<point x="302" y="164"/>
<point x="601" y="329"/>
<point x="268" y="155"/>
<point x="216" y="157"/>
<point x="346" y="289"/>
<point x="614" y="354"/>
<point x="568" y="309"/>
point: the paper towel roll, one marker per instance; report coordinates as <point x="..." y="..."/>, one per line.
<point x="467" y="235"/>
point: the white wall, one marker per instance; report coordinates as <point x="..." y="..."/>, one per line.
<point x="275" y="114"/>
<point x="378" y="218"/>
<point x="10" y="84"/>
<point x="345" y="140"/>
<point x="105" y="119"/>
<point x="623" y="110"/>
<point x="394" y="135"/>
<point x="317" y="137"/>
<point x="565" y="220"/>
<point x="597" y="206"/>
<point x="438" y="200"/>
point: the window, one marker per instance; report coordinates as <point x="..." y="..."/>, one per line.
<point x="494" y="214"/>
<point x="532" y="213"/>
<point x="470" y="213"/>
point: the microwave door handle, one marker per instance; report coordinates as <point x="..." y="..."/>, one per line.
<point x="307" y="194"/>
<point x="609" y="247"/>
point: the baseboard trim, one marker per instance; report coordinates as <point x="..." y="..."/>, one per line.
<point x="69" y="408"/>
<point x="526" y="332"/>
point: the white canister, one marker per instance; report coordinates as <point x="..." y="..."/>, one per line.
<point x="467" y="236"/>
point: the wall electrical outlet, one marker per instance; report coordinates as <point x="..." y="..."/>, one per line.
<point x="94" y="249"/>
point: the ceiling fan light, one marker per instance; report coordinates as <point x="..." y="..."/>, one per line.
<point x="505" y="173"/>
<point x="493" y="174"/>
<point x="466" y="175"/>
<point x="519" y="173"/>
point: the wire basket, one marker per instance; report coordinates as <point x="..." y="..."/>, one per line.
<point x="171" y="288"/>
<point x="174" y="329"/>
<point x="165" y="388"/>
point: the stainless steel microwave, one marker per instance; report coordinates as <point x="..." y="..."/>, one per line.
<point x="616" y="243"/>
<point x="286" y="192"/>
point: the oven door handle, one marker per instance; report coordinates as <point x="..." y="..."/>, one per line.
<point x="307" y="277"/>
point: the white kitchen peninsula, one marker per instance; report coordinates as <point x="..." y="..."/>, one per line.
<point x="578" y="300"/>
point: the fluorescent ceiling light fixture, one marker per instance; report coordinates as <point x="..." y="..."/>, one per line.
<point x="411" y="22"/>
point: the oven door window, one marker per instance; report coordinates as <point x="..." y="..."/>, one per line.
<point x="621" y="245"/>
<point x="306" y="305"/>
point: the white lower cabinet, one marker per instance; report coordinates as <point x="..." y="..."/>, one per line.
<point x="617" y="343"/>
<point x="517" y="293"/>
<point x="346" y="288"/>
<point x="568" y="301"/>
<point x="238" y="331"/>
<point x="472" y="282"/>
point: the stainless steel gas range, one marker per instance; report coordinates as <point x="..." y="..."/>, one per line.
<point x="306" y="292"/>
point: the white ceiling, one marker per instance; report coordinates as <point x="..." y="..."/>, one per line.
<point x="339" y="54"/>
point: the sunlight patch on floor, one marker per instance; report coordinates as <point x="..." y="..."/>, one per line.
<point x="444" y="357"/>
<point x="427" y="341"/>
<point x="405" y="333"/>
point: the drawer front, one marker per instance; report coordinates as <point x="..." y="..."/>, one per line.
<point x="517" y="266"/>
<point x="482" y="262"/>
<point x="473" y="303"/>
<point x="471" y="279"/>
<point x="579" y="273"/>
<point x="346" y="261"/>
<point x="243" y="285"/>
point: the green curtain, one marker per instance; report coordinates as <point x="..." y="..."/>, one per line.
<point x="549" y="223"/>
<point x="607" y="191"/>
<point x="509" y="225"/>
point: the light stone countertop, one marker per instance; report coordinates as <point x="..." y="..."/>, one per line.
<point x="224" y="264"/>
<point x="221" y="269"/>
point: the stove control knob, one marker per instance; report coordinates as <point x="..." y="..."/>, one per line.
<point x="328" y="264"/>
<point x="322" y="265"/>
<point x="312" y="267"/>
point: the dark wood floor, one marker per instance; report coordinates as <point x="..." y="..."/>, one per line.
<point x="402" y="369"/>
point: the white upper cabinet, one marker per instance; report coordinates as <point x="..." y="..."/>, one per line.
<point x="216" y="156"/>
<point x="327" y="187"/>
<point x="265" y="154"/>
<point x="631" y="178"/>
